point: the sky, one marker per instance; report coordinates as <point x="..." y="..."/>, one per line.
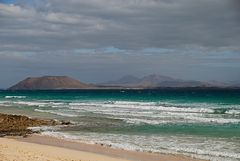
<point x="100" y="40"/>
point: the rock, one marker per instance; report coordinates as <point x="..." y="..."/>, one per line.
<point x="16" y="125"/>
<point x="66" y="123"/>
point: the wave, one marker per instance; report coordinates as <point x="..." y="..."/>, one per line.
<point x="140" y="105"/>
<point x="139" y="112"/>
<point x="19" y="97"/>
<point x="44" y="128"/>
<point x="156" y="106"/>
<point x="221" y="110"/>
<point x="233" y="112"/>
<point x="127" y="105"/>
<point x="146" y="107"/>
<point x="191" y="146"/>
<point x="35" y="103"/>
<point x="31" y="103"/>
<point x="146" y="118"/>
<point x="56" y="113"/>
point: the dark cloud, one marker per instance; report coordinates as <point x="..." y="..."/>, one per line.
<point x="123" y="24"/>
<point x="148" y="36"/>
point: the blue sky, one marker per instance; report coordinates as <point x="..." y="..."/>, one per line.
<point x="8" y="1"/>
<point x="101" y="40"/>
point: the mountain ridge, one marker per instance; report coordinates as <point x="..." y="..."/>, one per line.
<point x="125" y="82"/>
<point x="155" y="81"/>
<point x="50" y="82"/>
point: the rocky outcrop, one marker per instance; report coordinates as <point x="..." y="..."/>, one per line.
<point x="16" y="125"/>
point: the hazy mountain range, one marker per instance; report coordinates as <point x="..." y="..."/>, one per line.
<point x="161" y="81"/>
<point x="129" y="81"/>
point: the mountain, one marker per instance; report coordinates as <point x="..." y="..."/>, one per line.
<point x="50" y="82"/>
<point x="235" y="83"/>
<point x="185" y="84"/>
<point x="129" y="81"/>
<point x="132" y="81"/>
<point x="219" y="84"/>
<point x="125" y="80"/>
<point x="153" y="81"/>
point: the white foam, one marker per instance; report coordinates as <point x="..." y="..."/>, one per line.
<point x="204" y="148"/>
<point x="140" y="121"/>
<point x="127" y="106"/>
<point x="60" y="113"/>
<point x="20" y="97"/>
<point x="31" y="103"/>
<point x="140" y="106"/>
<point x="233" y="112"/>
<point x="147" y="113"/>
<point x="133" y="112"/>
<point x="44" y="128"/>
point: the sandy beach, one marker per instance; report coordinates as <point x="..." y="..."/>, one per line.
<point x="21" y="144"/>
<point x="12" y="150"/>
<point x="44" y="148"/>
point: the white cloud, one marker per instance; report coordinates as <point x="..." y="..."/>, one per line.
<point x="13" y="11"/>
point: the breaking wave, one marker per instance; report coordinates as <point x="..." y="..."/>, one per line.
<point x="19" y="97"/>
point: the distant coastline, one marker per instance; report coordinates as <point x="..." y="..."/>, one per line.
<point x="148" y="82"/>
<point x="133" y="88"/>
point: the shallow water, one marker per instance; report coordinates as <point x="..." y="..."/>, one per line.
<point x="202" y="123"/>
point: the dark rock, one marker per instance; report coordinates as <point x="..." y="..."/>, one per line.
<point x="66" y="123"/>
<point x="16" y="125"/>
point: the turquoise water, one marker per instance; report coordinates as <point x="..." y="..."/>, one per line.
<point x="200" y="123"/>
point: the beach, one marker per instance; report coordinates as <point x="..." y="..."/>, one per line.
<point x="12" y="150"/>
<point x="21" y="143"/>
<point x="44" y="148"/>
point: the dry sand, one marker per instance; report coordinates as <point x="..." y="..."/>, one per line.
<point x="43" y="148"/>
<point x="12" y="150"/>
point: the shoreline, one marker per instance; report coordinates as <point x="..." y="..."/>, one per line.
<point x="134" y="88"/>
<point x="24" y="139"/>
<point x="39" y="139"/>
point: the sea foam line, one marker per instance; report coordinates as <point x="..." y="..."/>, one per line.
<point x="172" y="145"/>
<point x="56" y="113"/>
<point x="20" y="97"/>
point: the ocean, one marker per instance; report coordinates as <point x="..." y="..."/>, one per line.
<point x="204" y="123"/>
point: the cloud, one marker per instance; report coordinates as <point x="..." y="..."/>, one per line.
<point x="123" y="24"/>
<point x="139" y="36"/>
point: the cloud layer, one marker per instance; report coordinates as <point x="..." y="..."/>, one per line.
<point x="85" y="38"/>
